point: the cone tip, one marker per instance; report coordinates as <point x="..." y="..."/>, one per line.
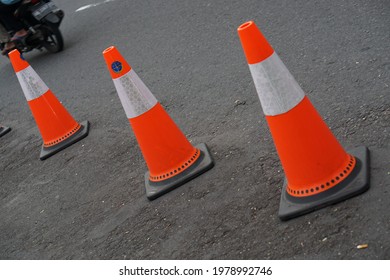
<point x="245" y="25"/>
<point x="13" y="52"/>
<point x="109" y="49"/>
<point x="14" y="55"/>
<point x="254" y="44"/>
<point x="116" y="64"/>
<point x="17" y="60"/>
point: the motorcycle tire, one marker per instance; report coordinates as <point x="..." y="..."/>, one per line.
<point x="53" y="41"/>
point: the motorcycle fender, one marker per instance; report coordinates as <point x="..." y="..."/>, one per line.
<point x="53" y="18"/>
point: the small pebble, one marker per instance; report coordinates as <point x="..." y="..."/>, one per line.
<point x="362" y="246"/>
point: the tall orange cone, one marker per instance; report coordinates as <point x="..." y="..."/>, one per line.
<point x="319" y="172"/>
<point x="4" y="130"/>
<point x="58" y="128"/>
<point x="170" y="157"/>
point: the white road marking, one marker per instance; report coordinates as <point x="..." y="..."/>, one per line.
<point x="92" y="5"/>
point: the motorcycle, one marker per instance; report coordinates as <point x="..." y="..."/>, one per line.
<point x="41" y="19"/>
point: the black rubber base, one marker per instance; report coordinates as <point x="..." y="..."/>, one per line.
<point x="356" y="183"/>
<point x="4" y="130"/>
<point x="80" y="134"/>
<point x="202" y="164"/>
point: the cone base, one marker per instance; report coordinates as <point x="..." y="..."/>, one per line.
<point x="4" y="130"/>
<point x="356" y="183"/>
<point x="80" y="134"/>
<point x="203" y="164"/>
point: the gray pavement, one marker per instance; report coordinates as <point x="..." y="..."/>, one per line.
<point x="88" y="202"/>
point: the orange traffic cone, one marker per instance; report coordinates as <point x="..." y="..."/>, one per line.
<point x="4" y="130"/>
<point x="58" y="128"/>
<point x="170" y="157"/>
<point x="319" y="172"/>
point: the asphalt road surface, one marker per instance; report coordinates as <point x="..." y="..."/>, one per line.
<point x="88" y="202"/>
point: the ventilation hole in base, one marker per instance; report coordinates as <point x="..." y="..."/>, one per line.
<point x="183" y="167"/>
<point x="62" y="138"/>
<point x="310" y="190"/>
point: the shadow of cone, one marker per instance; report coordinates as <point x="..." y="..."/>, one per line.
<point x="319" y="172"/>
<point x="58" y="128"/>
<point x="170" y="157"/>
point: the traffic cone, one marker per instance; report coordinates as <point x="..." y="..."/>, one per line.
<point x="319" y="172"/>
<point x="58" y="128"/>
<point x="4" y="130"/>
<point x="170" y="157"/>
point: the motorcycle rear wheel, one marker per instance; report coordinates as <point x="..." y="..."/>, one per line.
<point x="53" y="41"/>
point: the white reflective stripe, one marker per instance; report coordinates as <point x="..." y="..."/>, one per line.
<point x="32" y="85"/>
<point x="135" y="97"/>
<point x="278" y="91"/>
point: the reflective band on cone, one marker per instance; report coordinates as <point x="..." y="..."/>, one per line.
<point x="277" y="89"/>
<point x="57" y="127"/>
<point x="170" y="157"/>
<point x="315" y="164"/>
<point x="134" y="104"/>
